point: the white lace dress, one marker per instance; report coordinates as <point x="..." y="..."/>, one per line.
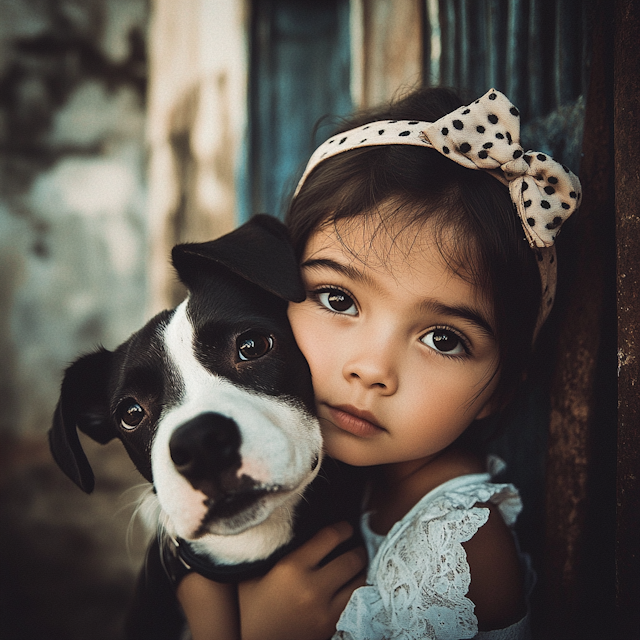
<point x="418" y="574"/>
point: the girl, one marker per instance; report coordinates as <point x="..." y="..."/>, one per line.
<point x="425" y="236"/>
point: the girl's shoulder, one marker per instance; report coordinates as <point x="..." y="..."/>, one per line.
<point x="497" y="574"/>
<point x="449" y="564"/>
<point x="465" y="491"/>
<point x="495" y="565"/>
<point x="461" y="527"/>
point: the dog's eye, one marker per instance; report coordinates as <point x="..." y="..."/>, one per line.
<point x="132" y="415"/>
<point x="252" y="345"/>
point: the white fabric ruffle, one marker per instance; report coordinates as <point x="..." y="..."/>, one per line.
<point x="419" y="576"/>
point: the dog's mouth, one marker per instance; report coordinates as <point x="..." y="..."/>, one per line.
<point x="236" y="505"/>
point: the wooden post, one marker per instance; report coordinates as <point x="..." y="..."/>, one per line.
<point x="387" y="46"/>
<point x="198" y="75"/>
<point x="627" y="186"/>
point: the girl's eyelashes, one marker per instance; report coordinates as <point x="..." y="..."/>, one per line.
<point x="446" y="341"/>
<point x="443" y="340"/>
<point x="336" y="300"/>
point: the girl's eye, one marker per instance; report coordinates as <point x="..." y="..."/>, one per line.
<point x="445" y="341"/>
<point x="338" y="301"/>
<point x="132" y="415"/>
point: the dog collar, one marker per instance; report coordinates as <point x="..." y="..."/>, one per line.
<point x="179" y="559"/>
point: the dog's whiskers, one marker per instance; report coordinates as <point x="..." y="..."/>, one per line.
<point x="145" y="507"/>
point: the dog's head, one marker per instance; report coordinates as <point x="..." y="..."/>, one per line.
<point x="212" y="400"/>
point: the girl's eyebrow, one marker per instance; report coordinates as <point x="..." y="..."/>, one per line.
<point x="460" y="311"/>
<point x="463" y="312"/>
<point x="347" y="270"/>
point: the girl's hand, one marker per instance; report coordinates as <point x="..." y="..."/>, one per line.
<point x="299" y="600"/>
<point x="211" y="608"/>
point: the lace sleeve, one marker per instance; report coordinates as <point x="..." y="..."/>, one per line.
<point x="417" y="583"/>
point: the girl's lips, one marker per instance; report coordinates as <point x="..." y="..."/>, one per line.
<point x="350" y="419"/>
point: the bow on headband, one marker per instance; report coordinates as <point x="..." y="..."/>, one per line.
<point x="483" y="135"/>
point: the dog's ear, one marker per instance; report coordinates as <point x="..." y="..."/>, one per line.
<point x="259" y="251"/>
<point x="84" y="405"/>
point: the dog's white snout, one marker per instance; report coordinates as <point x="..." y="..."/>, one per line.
<point x="279" y="444"/>
<point x="280" y="440"/>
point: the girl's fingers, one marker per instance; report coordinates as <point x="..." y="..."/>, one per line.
<point x="343" y="570"/>
<point x="341" y="598"/>
<point x="327" y="539"/>
<point x="299" y="598"/>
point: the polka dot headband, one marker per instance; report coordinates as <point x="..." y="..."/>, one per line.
<point x="485" y="135"/>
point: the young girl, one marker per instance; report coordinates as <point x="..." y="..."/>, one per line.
<point x="425" y="236"/>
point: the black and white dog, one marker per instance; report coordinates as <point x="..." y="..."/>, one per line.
<point x="214" y="405"/>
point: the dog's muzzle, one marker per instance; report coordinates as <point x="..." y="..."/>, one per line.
<point x="206" y="451"/>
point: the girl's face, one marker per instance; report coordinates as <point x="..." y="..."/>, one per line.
<point x="401" y="349"/>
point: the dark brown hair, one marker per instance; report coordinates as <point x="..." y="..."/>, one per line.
<point x="490" y="246"/>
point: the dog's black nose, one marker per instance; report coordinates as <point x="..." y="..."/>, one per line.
<point x="205" y="448"/>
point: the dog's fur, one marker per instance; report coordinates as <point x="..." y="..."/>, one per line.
<point x="213" y="402"/>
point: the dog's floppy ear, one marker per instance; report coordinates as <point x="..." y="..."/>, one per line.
<point x="259" y="251"/>
<point x="83" y="404"/>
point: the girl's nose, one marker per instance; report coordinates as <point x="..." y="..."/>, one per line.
<point x="372" y="365"/>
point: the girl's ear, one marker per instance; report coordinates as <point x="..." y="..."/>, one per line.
<point x="495" y="403"/>
<point x="490" y="407"/>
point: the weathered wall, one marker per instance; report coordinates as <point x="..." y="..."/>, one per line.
<point x="72" y="200"/>
<point x="73" y="256"/>
<point x="577" y="578"/>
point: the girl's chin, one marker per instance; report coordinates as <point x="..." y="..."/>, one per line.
<point x="343" y="447"/>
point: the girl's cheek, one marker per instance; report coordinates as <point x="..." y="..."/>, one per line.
<point x="314" y="350"/>
<point x="293" y="313"/>
<point x="302" y="326"/>
<point x="311" y="341"/>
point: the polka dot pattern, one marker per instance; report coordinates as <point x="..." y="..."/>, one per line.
<point x="485" y="135"/>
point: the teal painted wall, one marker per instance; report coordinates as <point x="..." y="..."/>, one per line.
<point x="300" y="73"/>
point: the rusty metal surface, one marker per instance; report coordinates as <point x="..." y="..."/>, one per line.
<point x="627" y="183"/>
<point x="534" y="50"/>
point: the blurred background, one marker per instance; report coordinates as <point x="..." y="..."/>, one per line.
<point x="127" y="126"/>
